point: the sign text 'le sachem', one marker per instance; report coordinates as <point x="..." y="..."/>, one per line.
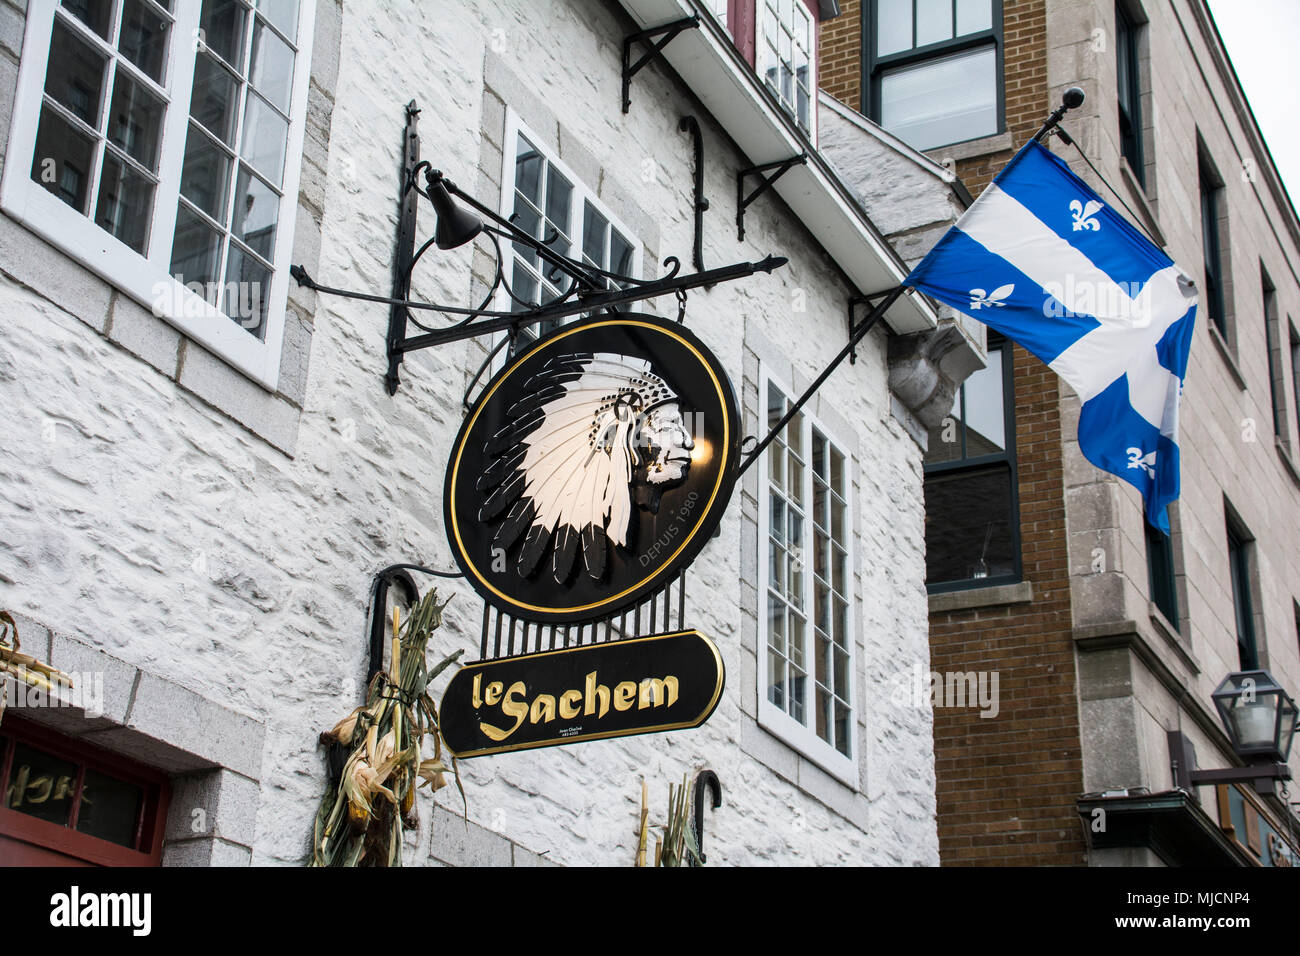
<point x="616" y="689"/>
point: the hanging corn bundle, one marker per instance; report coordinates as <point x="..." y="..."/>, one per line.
<point x="24" y="667"/>
<point x="363" y="814"/>
<point x="677" y="846"/>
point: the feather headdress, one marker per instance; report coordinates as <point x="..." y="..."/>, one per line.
<point x="563" y="466"/>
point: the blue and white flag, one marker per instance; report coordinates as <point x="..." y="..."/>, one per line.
<point x="1043" y="260"/>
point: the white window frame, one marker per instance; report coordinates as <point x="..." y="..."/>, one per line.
<point x="147" y="278"/>
<point x="761" y="55"/>
<point x="803" y="737"/>
<point x="581" y="193"/>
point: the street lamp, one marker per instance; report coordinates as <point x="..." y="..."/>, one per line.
<point x="1260" y="720"/>
<point x="1259" y="716"/>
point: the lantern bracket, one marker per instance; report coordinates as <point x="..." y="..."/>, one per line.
<point x="582" y="287"/>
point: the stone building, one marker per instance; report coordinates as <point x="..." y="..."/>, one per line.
<point x="202" y="470"/>
<point x="1106" y="636"/>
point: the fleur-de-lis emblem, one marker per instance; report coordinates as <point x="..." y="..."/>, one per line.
<point x="979" y="298"/>
<point x="1146" y="462"/>
<point x="1083" y="215"/>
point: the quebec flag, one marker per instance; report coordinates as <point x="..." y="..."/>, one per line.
<point x="1043" y="260"/>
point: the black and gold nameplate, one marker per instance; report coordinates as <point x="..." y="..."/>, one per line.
<point x="638" y="686"/>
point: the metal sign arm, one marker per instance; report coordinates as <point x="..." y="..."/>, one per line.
<point x="863" y="328"/>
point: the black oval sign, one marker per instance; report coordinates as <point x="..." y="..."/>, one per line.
<point x="592" y="469"/>
<point x="633" y="686"/>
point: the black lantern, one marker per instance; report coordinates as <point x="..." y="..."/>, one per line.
<point x="1259" y="716"/>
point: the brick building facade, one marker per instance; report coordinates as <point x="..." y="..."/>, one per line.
<point x="1093" y="675"/>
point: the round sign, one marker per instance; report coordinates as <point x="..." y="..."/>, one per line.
<point x="592" y="469"/>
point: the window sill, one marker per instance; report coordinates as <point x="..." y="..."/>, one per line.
<point x="1139" y="195"/>
<point x="1165" y="628"/>
<point x="807" y="746"/>
<point x="972" y="148"/>
<point x="1225" y="352"/>
<point x="1021" y="592"/>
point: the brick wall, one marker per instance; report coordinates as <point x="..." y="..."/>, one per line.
<point x="1024" y="52"/>
<point x="1006" y="785"/>
<point x="839" y="54"/>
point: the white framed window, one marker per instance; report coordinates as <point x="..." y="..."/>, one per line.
<point x="158" y="143"/>
<point x="548" y="201"/>
<point x="805" y="558"/>
<point x="785" y="57"/>
<point x="719" y="10"/>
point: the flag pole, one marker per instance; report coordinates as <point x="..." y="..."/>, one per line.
<point x="861" y="330"/>
<point x="1071" y="99"/>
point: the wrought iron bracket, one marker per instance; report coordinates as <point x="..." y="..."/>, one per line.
<point x="704" y="780"/>
<point x="854" y="302"/>
<point x="776" y="170"/>
<point x="404" y="261"/>
<point x="886" y="299"/>
<point x="584" y="287"/>
<point x="655" y="38"/>
<point x="689" y="124"/>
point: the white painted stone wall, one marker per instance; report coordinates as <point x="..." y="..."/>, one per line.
<point x="140" y="519"/>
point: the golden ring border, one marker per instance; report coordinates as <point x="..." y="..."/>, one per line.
<point x="460" y="448"/>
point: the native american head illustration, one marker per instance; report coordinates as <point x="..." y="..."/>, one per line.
<point x="595" y="435"/>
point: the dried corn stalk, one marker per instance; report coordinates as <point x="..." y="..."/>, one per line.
<point x="677" y="845"/>
<point x="24" y="667"/>
<point x="361" y="818"/>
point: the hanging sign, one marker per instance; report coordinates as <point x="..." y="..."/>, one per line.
<point x="593" y="468"/>
<point x="617" y="689"/>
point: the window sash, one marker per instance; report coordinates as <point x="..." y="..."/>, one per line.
<point x="1239" y="569"/>
<point x="1129" y="91"/>
<point x="1210" y="193"/>
<point x="800" y="580"/>
<point x="787" y="46"/>
<point x="875" y="66"/>
<point x="1161" y="577"/>
<point x="580" y="199"/>
<point x="147" y="278"/>
<point x="984" y="465"/>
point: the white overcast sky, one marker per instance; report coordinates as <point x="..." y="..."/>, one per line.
<point x="1261" y="39"/>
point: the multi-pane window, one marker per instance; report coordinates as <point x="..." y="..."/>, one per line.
<point x="232" y="182"/>
<point x="63" y="799"/>
<point x="101" y="114"/>
<point x="1211" y="190"/>
<point x="1160" y="573"/>
<point x="807" y="659"/>
<point x="785" y="57"/>
<point x="1130" y="90"/>
<point x="1295" y="377"/>
<point x="719" y="10"/>
<point x="175" y="127"/>
<point x="1276" y="391"/>
<point x="933" y="69"/>
<point x="1239" y="560"/>
<point x="972" y="523"/>
<point x="551" y="204"/>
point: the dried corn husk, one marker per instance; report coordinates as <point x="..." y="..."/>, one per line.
<point x="361" y="818"/>
<point x="24" y="667"/>
<point x="677" y="845"/>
